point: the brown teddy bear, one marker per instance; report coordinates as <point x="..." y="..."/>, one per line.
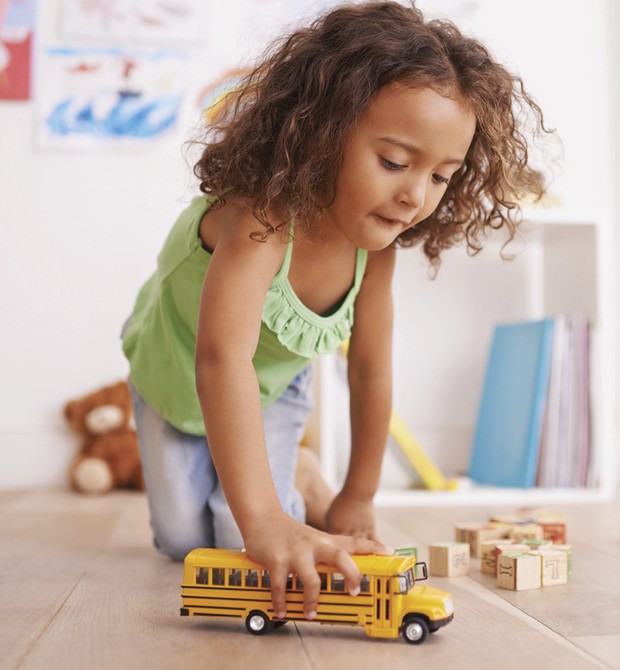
<point x="109" y="457"/>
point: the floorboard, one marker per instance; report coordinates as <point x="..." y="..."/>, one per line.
<point x="82" y="587"/>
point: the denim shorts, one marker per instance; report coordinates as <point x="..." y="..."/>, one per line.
<point x="187" y="505"/>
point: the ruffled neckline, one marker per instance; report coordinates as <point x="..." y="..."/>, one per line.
<point x="297" y="327"/>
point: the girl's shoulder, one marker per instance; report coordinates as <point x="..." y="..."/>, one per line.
<point x="232" y="233"/>
<point x="234" y="220"/>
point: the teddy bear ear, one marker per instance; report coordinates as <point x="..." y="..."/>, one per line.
<point x="69" y="410"/>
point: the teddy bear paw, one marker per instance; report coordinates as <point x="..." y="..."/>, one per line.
<point x="92" y="475"/>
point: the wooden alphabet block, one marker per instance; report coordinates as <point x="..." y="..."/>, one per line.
<point x="526" y="531"/>
<point x="536" y="544"/>
<point x="509" y="549"/>
<point x="553" y="523"/>
<point x="449" y="559"/>
<point x="475" y="533"/>
<point x="488" y="554"/>
<point x="511" y="519"/>
<point x="406" y="551"/>
<point x="466" y="532"/>
<point x="555" y="531"/>
<point x="566" y="548"/>
<point x="519" y="572"/>
<point x="554" y="567"/>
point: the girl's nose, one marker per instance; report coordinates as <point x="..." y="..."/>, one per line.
<point x="413" y="192"/>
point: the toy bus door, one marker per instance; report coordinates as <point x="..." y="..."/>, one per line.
<point x="382" y="602"/>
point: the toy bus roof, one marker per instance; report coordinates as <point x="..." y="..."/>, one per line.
<point x="368" y="564"/>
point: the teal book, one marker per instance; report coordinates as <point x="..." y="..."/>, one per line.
<point x="512" y="407"/>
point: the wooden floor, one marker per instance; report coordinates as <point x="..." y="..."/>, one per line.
<point x="81" y="588"/>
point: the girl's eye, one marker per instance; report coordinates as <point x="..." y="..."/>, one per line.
<point x="391" y="166"/>
<point x="442" y="180"/>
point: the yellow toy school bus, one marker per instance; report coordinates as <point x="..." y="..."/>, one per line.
<point x="223" y="583"/>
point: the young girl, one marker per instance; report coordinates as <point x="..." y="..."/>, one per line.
<point x="370" y="129"/>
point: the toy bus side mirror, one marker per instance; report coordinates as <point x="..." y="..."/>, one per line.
<point x="420" y="572"/>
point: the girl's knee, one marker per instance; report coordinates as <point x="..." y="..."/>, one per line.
<point x="177" y="534"/>
<point x="177" y="541"/>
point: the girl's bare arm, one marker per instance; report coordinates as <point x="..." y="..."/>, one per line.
<point x="234" y="291"/>
<point x="370" y="384"/>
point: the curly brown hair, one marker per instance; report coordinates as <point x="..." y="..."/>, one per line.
<point x="280" y="144"/>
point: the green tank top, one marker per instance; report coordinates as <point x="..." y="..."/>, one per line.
<point x="160" y="338"/>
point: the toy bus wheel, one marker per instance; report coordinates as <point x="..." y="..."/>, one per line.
<point x="415" y="630"/>
<point x="258" y="623"/>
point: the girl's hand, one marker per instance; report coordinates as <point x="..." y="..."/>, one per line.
<point x="284" y="546"/>
<point x="350" y="515"/>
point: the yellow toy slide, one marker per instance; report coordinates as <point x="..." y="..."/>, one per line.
<point x="431" y="475"/>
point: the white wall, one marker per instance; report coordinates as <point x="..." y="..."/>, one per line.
<point x="443" y="328"/>
<point x="613" y="31"/>
<point x="80" y="231"/>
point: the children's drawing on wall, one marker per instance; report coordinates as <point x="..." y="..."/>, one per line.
<point x="213" y="99"/>
<point x="107" y="97"/>
<point x="17" y="20"/>
<point x="156" y="21"/>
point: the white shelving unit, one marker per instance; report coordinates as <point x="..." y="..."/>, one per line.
<point x="564" y="264"/>
<point x="443" y="330"/>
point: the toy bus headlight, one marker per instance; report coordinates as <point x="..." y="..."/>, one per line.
<point x="449" y="605"/>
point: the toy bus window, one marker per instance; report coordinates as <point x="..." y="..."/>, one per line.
<point x="219" y="576"/>
<point x="337" y="582"/>
<point x="322" y="576"/>
<point x="405" y="581"/>
<point x="365" y="584"/>
<point x="251" y="578"/>
<point x="202" y="575"/>
<point x="289" y="582"/>
<point x="234" y="577"/>
<point x="265" y="580"/>
<point x="410" y="578"/>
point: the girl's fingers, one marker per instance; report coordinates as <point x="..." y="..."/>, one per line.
<point x="312" y="583"/>
<point x="278" y="591"/>
<point x="346" y="564"/>
<point x="377" y="547"/>
<point x="362" y="545"/>
<point x="334" y="550"/>
<point x="342" y="561"/>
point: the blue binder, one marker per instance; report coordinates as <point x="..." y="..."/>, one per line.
<point x="512" y="408"/>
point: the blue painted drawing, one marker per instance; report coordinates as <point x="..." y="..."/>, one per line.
<point x="130" y="116"/>
<point x="93" y="96"/>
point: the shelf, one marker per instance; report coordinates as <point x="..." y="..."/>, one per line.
<point x="564" y="268"/>
<point x="490" y="496"/>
